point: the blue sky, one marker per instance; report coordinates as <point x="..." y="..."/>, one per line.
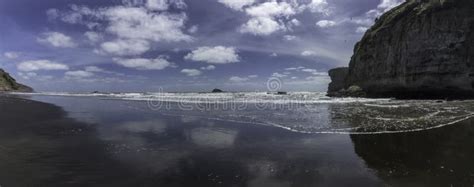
<point x="180" y="45"/>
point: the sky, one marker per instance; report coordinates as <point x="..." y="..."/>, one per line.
<point x="181" y="45"/>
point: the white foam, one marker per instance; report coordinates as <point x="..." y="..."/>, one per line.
<point x="217" y="98"/>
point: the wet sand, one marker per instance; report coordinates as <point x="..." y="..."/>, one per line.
<point x="94" y="142"/>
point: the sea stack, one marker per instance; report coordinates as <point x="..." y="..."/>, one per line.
<point x="9" y="84"/>
<point x="421" y="49"/>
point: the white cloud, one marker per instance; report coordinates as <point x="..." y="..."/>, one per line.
<point x="319" y="6"/>
<point x="290" y="37"/>
<point x="237" y="4"/>
<point x="56" y="39"/>
<point x="295" y="22"/>
<point x="37" y="65"/>
<point x="125" y="47"/>
<point x="364" y="22"/>
<point x="214" y="55"/>
<point x="210" y="67"/>
<point x="193" y="29"/>
<point x="386" y="5"/>
<point x="157" y="4"/>
<point x="279" y="75"/>
<point x="11" y="55"/>
<point x="274" y="55"/>
<point x="326" y="23"/>
<point x="361" y="29"/>
<point x="295" y="68"/>
<point x="265" y="18"/>
<point x="93" y="69"/>
<point x="261" y="26"/>
<point x="191" y="72"/>
<point x="78" y="74"/>
<point x="271" y="9"/>
<point x="308" y="53"/>
<point x="314" y="72"/>
<point x="238" y="79"/>
<point x="93" y="36"/>
<point x="144" y="64"/>
<point x="138" y="23"/>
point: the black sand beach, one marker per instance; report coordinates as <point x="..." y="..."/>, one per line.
<point x="96" y="142"/>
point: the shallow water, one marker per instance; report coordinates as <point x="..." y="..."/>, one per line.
<point x="303" y="112"/>
<point x="127" y="142"/>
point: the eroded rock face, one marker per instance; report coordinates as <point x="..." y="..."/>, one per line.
<point x="420" y="49"/>
<point x="338" y="77"/>
<point x="7" y="83"/>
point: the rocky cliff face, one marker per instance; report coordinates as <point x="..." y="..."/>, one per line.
<point x="420" y="49"/>
<point x="7" y="83"/>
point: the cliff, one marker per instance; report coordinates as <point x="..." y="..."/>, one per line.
<point x="7" y="84"/>
<point x="420" y="49"/>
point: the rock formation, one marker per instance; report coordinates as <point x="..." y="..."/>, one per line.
<point x="215" y="90"/>
<point x="7" y="84"/>
<point x="420" y="49"/>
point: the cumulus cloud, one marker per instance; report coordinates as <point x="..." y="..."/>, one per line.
<point x="261" y="26"/>
<point x="144" y="64"/>
<point x="210" y="67"/>
<point x="37" y="65"/>
<point x="319" y="6"/>
<point x="138" y="23"/>
<point x="264" y="17"/>
<point x="214" y="55"/>
<point x="191" y="72"/>
<point x="11" y="55"/>
<point x="237" y="4"/>
<point x="269" y="17"/>
<point x="326" y="23"/>
<point x="125" y="47"/>
<point x="56" y="39"/>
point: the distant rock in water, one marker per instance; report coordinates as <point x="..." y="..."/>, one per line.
<point x="420" y="49"/>
<point x="278" y="93"/>
<point x="217" y="91"/>
<point x="8" y="84"/>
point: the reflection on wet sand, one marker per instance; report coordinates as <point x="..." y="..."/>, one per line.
<point x="438" y="157"/>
